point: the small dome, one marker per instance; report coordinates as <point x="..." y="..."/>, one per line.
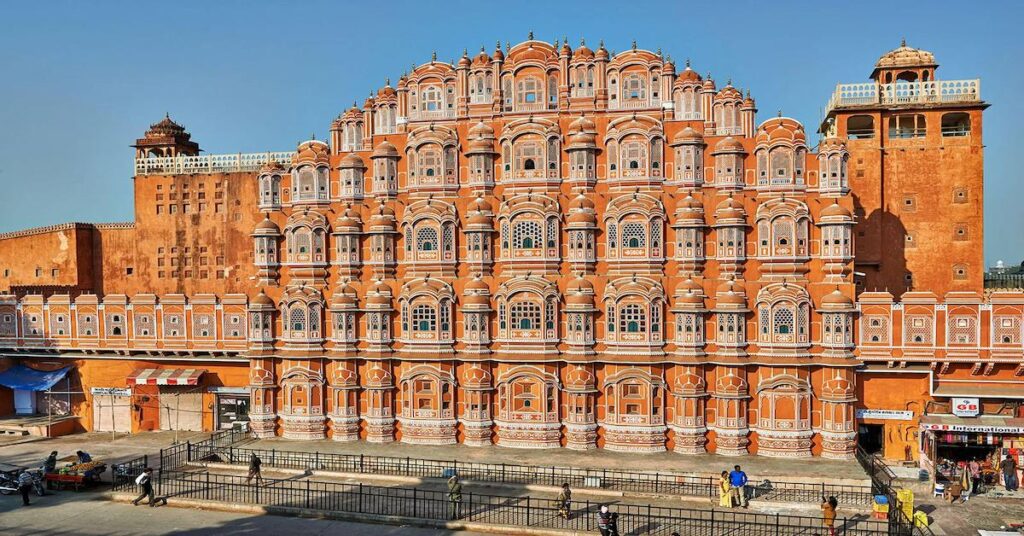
<point x="386" y="91"/>
<point x="830" y="145"/>
<point x="267" y="226"/>
<point x="312" y="151"/>
<point x="477" y="293"/>
<point x="383" y="216"/>
<point x="580" y="284"/>
<point x="582" y="217"/>
<point x="688" y="135"/>
<point x="262" y="300"/>
<point x="481" y="59"/>
<point x="582" y="53"/>
<point x="368" y="103"/>
<point x="837" y="299"/>
<point x="690" y="209"/>
<point x="730" y="209"/>
<point x="579" y="378"/>
<point x="582" y="124"/>
<point x="344" y="296"/>
<point x="581" y="202"/>
<point x="272" y="166"/>
<point x="835" y="210"/>
<point x="352" y="161"/>
<point x="781" y="129"/>
<point x="730" y="293"/>
<point x="379" y="295"/>
<point x="689" y="298"/>
<point x="481" y="130"/>
<point x="384" y="149"/>
<point x="905" y="56"/>
<point x="729" y="92"/>
<point x="349" y="220"/>
<point x="464" y="61"/>
<point x="602" y="53"/>
<point x="729" y="145"/>
<point x="480" y="205"/>
<point x="688" y="75"/>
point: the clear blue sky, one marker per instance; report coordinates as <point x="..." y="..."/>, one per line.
<point x="79" y="81"/>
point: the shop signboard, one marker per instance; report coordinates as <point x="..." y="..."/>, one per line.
<point x="978" y="428"/>
<point x="885" y="414"/>
<point x="966" y="407"/>
<point x="110" y="391"/>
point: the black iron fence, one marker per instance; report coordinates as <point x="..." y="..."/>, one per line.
<point x="124" y="474"/>
<point x="641" y="482"/>
<point x="882" y="479"/>
<point x="178" y="455"/>
<point x="493" y="509"/>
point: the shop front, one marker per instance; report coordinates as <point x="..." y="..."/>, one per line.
<point x="231" y="406"/>
<point x="950" y="441"/>
<point x="179" y="397"/>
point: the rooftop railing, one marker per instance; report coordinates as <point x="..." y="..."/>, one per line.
<point x="208" y="163"/>
<point x="933" y="92"/>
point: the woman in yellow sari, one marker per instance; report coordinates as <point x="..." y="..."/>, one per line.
<point x="724" y="491"/>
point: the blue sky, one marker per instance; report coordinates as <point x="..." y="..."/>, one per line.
<point x="81" y="80"/>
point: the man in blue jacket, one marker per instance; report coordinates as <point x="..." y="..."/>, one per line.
<point x="738" y="481"/>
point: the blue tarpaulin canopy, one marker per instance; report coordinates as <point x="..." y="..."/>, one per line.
<point x="24" y="378"/>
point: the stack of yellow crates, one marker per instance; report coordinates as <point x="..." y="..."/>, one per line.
<point x="906" y="498"/>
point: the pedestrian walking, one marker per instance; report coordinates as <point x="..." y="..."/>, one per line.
<point x="828" y="513"/>
<point x="724" y="491"/>
<point x="975" y="468"/>
<point x="455" y="497"/>
<point x="738" y="481"/>
<point x="145" y="481"/>
<point x="254" y="469"/>
<point x="1009" y="468"/>
<point x="604" y="520"/>
<point x="564" y="499"/>
<point x="25" y="486"/>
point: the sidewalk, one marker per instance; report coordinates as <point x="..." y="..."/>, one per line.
<point x="580" y="495"/>
<point x="811" y="470"/>
<point x="98" y="444"/>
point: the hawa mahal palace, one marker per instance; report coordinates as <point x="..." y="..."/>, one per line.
<point x="540" y="246"/>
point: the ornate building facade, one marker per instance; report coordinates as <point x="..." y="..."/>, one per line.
<point x="538" y="246"/>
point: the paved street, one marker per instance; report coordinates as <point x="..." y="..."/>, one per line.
<point x="68" y="513"/>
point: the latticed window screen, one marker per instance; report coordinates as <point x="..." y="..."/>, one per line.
<point x="445" y="316"/>
<point x="656" y="233"/>
<point x="424" y="318"/>
<point x="549" y="314"/>
<point x="633" y="318"/>
<point x="526" y="235"/>
<point x="917" y="329"/>
<point x="612" y="235"/>
<point x="552" y="233"/>
<point x="426" y="239"/>
<point x="963" y="329"/>
<point x="525" y="315"/>
<point x="876" y="328"/>
<point x="783" y="321"/>
<point x="449" y="238"/>
<point x="297" y="319"/>
<point x="633" y="235"/>
<point x="1006" y="330"/>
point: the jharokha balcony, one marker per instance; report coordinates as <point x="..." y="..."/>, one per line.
<point x="896" y="93"/>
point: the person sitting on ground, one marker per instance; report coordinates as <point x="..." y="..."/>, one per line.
<point x="50" y="465"/>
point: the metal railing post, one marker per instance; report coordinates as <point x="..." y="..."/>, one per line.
<point x="360" y="506"/>
<point x="527" y="510"/>
<point x="207" y="485"/>
<point x="777" y="533"/>
<point x="307" y="494"/>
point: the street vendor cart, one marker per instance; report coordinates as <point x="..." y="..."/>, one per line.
<point x="75" y="475"/>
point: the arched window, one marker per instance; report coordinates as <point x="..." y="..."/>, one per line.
<point x="297" y="318"/>
<point x="426" y="239"/>
<point x="634" y="235"/>
<point x="429" y="162"/>
<point x="528" y="91"/>
<point x="634" y="87"/>
<point x="526" y="235"/>
<point x="633" y="318"/>
<point x="424" y="318"/>
<point x="525" y="315"/>
<point x="431" y="99"/>
<point x="634" y="157"/>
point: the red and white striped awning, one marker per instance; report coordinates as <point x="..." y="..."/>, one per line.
<point x="155" y="376"/>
